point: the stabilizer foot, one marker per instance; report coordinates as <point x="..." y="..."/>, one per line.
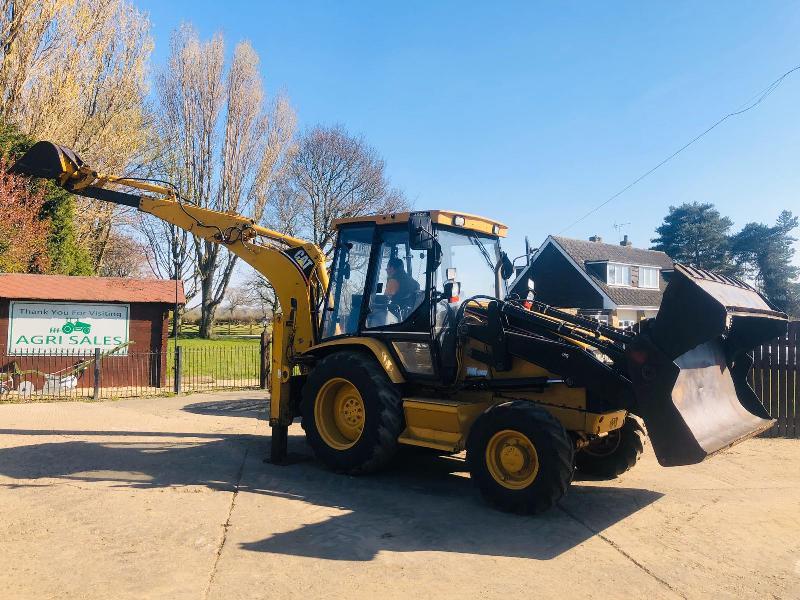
<point x="279" y="443"/>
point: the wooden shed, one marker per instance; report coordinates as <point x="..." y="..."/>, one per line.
<point x="51" y="322"/>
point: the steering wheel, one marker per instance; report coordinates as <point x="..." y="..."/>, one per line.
<point x="396" y="310"/>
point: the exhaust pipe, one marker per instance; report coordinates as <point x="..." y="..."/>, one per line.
<point x="689" y="365"/>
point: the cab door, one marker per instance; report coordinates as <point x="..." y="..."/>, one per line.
<point x="397" y="310"/>
<point x="343" y="308"/>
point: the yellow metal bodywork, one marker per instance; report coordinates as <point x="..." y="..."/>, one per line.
<point x="445" y="424"/>
<point x="294" y="331"/>
<point x="439" y="424"/>
<point x="440" y="217"/>
<point x="377" y="348"/>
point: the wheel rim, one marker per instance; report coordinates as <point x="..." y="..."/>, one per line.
<point x="512" y="459"/>
<point x="339" y="413"/>
<point x="606" y="445"/>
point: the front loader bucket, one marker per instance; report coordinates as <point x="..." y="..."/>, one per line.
<point x="689" y="365"/>
<point x="47" y="160"/>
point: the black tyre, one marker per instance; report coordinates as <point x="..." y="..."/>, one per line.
<point x="520" y="457"/>
<point x="612" y="455"/>
<point x="352" y="413"/>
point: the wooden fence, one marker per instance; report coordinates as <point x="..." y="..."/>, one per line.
<point x="776" y="380"/>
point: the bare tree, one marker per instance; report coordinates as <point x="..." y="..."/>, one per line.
<point x="222" y="145"/>
<point x="124" y="257"/>
<point x="260" y="293"/>
<point x="236" y="299"/>
<point x="331" y="175"/>
<point x="74" y="72"/>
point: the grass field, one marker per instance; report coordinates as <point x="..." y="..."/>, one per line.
<point x="219" y="342"/>
<point x="231" y="358"/>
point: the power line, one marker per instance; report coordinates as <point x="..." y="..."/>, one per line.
<point x="750" y="104"/>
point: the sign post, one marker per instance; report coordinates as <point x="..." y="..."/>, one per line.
<point x="67" y="328"/>
<point x="97" y="374"/>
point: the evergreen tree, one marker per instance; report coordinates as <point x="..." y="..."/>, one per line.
<point x="765" y="253"/>
<point x="696" y="234"/>
<point x="67" y="257"/>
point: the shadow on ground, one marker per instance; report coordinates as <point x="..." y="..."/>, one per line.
<point x="423" y="503"/>
<point x="254" y="408"/>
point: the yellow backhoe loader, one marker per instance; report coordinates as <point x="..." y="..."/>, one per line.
<point x="414" y="340"/>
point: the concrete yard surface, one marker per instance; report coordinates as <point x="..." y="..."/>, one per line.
<point x="171" y="498"/>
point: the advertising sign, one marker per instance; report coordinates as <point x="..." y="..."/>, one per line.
<point x="66" y="327"/>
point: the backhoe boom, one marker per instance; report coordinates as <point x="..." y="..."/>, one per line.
<point x="295" y="268"/>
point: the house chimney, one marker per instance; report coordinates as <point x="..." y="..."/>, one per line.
<point x="625" y="241"/>
<point x="596" y="238"/>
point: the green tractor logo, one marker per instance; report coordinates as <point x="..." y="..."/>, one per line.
<point x="70" y="326"/>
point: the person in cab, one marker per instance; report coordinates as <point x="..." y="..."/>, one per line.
<point x="401" y="288"/>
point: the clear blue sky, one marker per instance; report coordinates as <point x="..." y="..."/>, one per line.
<point x="533" y="113"/>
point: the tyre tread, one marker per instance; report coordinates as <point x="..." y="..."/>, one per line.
<point x="389" y="424"/>
<point x="560" y="473"/>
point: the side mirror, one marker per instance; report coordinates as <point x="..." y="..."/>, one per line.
<point x="507" y="267"/>
<point x="420" y="231"/>
<point x="452" y="291"/>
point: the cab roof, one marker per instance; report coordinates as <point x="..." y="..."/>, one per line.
<point x="440" y="217"/>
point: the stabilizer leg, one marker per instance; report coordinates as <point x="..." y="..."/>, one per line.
<point x="279" y="444"/>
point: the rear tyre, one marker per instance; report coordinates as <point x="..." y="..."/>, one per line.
<point x="352" y="413"/>
<point x="612" y="455"/>
<point x="520" y="457"/>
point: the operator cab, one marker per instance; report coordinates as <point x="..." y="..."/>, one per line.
<point x="403" y="277"/>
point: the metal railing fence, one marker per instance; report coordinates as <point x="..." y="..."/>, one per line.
<point x="69" y="375"/>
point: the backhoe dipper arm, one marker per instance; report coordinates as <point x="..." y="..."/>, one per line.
<point x="294" y="267"/>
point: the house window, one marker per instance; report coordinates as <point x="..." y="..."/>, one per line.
<point x="648" y="277"/>
<point x="619" y="274"/>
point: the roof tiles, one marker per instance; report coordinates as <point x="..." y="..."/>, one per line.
<point x="583" y="252"/>
<point x="17" y="286"/>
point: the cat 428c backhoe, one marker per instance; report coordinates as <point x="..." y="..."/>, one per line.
<point x="414" y="341"/>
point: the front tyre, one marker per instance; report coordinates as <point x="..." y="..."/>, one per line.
<point x="520" y="457"/>
<point x="352" y="413"/>
<point x="613" y="454"/>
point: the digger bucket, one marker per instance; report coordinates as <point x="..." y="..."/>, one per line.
<point x="689" y="365"/>
<point x="49" y="161"/>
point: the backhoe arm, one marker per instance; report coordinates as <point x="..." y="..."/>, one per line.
<point x="295" y="268"/>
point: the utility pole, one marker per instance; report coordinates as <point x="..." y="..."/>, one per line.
<point x="177" y="278"/>
<point x="175" y="252"/>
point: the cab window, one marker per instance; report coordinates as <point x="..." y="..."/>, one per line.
<point x="399" y="281"/>
<point x="348" y="278"/>
<point x="473" y="256"/>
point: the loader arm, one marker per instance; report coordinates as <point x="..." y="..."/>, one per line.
<point x="294" y="267"/>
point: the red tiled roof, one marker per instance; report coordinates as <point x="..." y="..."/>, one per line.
<point x="17" y="286"/>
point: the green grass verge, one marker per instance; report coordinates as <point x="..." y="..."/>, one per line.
<point x="234" y="360"/>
